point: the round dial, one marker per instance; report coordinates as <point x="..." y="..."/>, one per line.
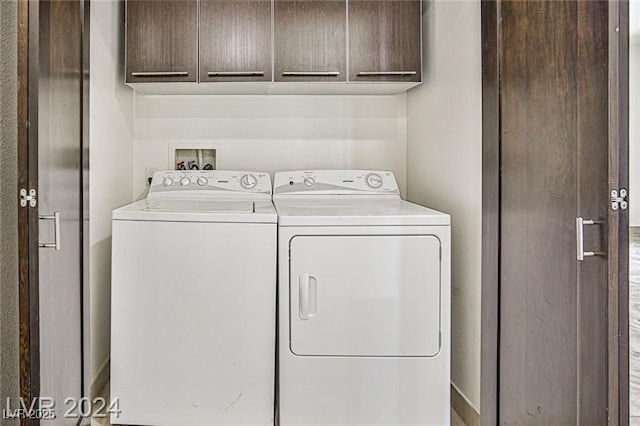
<point x="248" y="181"/>
<point x="185" y="181"/>
<point x="374" y="180"/>
<point x="308" y="181"/>
<point x="202" y="181"/>
<point x="167" y="181"/>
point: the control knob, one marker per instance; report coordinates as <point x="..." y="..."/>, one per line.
<point x="248" y="181"/>
<point x="185" y="181"/>
<point x="374" y="180"/>
<point x="167" y="181"/>
<point x="202" y="181"/>
<point x="308" y="181"/>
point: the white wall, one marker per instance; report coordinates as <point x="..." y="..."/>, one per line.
<point x="270" y="133"/>
<point x="634" y="114"/>
<point x="111" y="153"/>
<point x="444" y="151"/>
<point x="9" y="352"/>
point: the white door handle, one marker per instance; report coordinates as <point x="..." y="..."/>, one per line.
<point x="307" y="296"/>
<point x="581" y="254"/>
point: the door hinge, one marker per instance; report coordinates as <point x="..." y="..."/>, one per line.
<point x="30" y="199"/>
<point x="619" y="199"/>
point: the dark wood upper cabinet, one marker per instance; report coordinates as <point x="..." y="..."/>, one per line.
<point x="162" y="40"/>
<point x="244" y="41"/>
<point x="385" y="40"/>
<point x="310" y="40"/>
<point x="235" y="40"/>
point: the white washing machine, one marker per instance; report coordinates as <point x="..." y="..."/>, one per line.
<point x="364" y="302"/>
<point x="193" y="301"/>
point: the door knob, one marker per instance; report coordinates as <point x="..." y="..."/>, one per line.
<point x="56" y="231"/>
<point x="581" y="254"/>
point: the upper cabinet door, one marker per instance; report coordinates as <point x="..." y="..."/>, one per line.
<point x="385" y="40"/>
<point x="162" y="40"/>
<point x="310" y="40"/>
<point x="235" y="40"/>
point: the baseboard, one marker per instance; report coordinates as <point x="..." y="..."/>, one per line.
<point x="463" y="408"/>
<point x="101" y="378"/>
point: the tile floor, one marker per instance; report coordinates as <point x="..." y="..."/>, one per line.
<point x="634" y="325"/>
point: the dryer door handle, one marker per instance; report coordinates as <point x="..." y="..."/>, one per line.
<point x="307" y="296"/>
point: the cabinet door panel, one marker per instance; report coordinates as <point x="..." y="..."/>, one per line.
<point x="384" y="40"/>
<point x="310" y="40"/>
<point x="235" y="40"/>
<point x="162" y="40"/>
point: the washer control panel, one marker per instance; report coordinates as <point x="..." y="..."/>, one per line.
<point x="335" y="182"/>
<point x="208" y="182"/>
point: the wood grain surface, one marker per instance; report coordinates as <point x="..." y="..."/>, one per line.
<point x="384" y="36"/>
<point x="27" y="217"/>
<point x="489" y="325"/>
<point x="162" y="36"/>
<point x="235" y="38"/>
<point x="310" y="36"/>
<point x="550" y="87"/>
<point x="593" y="203"/>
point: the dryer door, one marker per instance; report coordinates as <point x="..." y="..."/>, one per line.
<point x="373" y="295"/>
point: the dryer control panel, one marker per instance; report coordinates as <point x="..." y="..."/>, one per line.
<point x="335" y="182"/>
<point x="203" y="183"/>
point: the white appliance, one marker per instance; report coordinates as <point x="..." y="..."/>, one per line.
<point x="364" y="302"/>
<point x="193" y="301"/>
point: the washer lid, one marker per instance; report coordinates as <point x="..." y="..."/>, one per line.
<point x="200" y="206"/>
<point x="355" y="212"/>
<point x="198" y="210"/>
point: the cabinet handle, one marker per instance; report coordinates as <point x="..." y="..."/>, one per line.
<point x="235" y="73"/>
<point x="311" y="73"/>
<point x="581" y="254"/>
<point x="374" y="73"/>
<point x="161" y="74"/>
<point x="55" y="217"/>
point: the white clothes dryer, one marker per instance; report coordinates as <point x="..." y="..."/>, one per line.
<point x="364" y="302"/>
<point x="193" y="301"/>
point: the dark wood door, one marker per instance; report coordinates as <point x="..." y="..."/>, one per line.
<point x="52" y="102"/>
<point x="385" y="40"/>
<point x="161" y="40"/>
<point x="553" y="86"/>
<point x="310" y="40"/>
<point x="235" y="40"/>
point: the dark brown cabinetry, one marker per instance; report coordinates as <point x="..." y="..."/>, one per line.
<point x="261" y="44"/>
<point x="235" y="40"/>
<point x="384" y="40"/>
<point x="162" y="40"/>
<point x="310" y="40"/>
